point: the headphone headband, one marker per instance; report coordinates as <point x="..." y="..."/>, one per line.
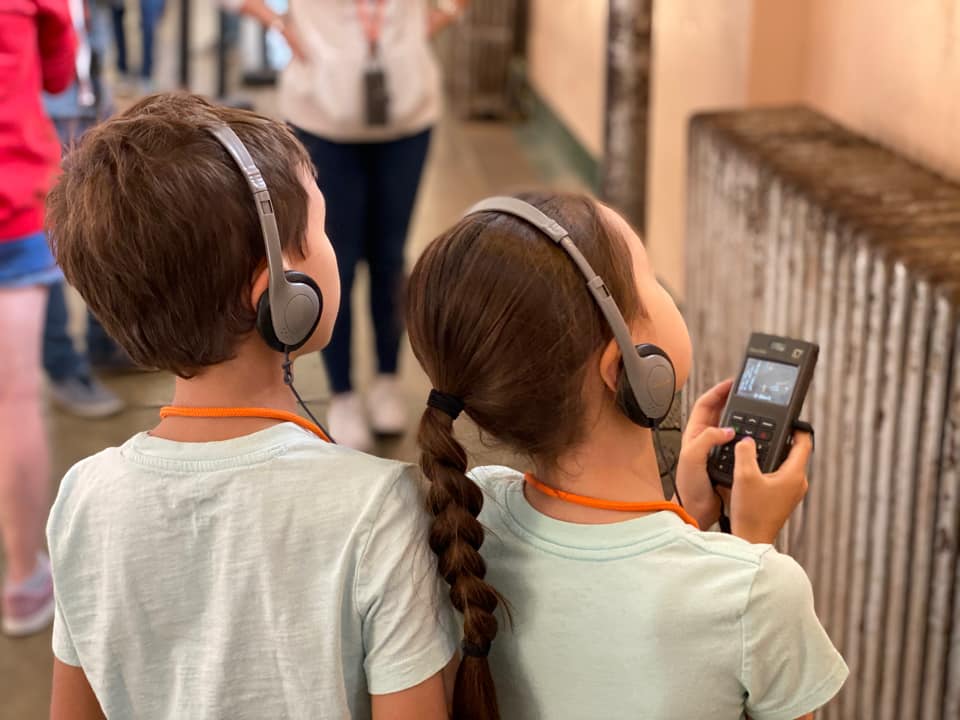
<point x="294" y="307"/>
<point x="261" y="196"/>
<point x="633" y="362"/>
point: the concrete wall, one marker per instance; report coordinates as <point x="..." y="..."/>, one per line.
<point x="567" y="45"/>
<point x="701" y="59"/>
<point x="886" y="68"/>
<point x="890" y="69"/>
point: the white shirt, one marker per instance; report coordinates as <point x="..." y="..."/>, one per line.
<point x="647" y="618"/>
<point x="267" y="576"/>
<point x="324" y="93"/>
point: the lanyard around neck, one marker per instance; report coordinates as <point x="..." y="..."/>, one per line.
<point x="372" y="22"/>
<point x="244" y="412"/>
<point x="597" y="503"/>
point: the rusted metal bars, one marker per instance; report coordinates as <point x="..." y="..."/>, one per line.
<point x="795" y="225"/>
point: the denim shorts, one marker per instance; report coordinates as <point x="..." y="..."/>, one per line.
<point x="27" y="261"/>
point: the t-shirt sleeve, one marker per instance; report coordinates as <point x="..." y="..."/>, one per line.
<point x="790" y="667"/>
<point x="57" y="528"/>
<point x="63" y="647"/>
<point x="409" y="633"/>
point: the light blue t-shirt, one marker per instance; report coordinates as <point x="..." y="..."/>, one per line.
<point x="647" y="618"/>
<point x="268" y="576"/>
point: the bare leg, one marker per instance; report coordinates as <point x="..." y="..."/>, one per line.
<point x="24" y="462"/>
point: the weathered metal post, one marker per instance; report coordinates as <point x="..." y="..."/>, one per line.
<point x="623" y="180"/>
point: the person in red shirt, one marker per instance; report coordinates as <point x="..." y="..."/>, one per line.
<point x="37" y="52"/>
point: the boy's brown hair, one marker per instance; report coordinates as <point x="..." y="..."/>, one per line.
<point x="155" y="226"/>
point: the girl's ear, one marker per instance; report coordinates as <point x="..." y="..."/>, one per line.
<point x="610" y="364"/>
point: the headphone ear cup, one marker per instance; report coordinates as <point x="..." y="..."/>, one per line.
<point x="307" y="324"/>
<point x="264" y="324"/>
<point x="656" y="393"/>
<point x="661" y="382"/>
<point x="627" y="402"/>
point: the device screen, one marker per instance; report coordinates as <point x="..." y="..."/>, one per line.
<point x="768" y="381"/>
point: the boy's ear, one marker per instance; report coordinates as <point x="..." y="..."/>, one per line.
<point x="261" y="281"/>
<point x="610" y="362"/>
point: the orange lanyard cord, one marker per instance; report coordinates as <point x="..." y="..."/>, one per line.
<point x="654" y="506"/>
<point x="244" y="412"/>
<point x="372" y="23"/>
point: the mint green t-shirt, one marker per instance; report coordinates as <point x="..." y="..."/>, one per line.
<point x="648" y="618"/>
<point x="268" y="576"/>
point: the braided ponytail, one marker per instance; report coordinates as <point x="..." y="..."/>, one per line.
<point x="456" y="536"/>
<point x="500" y="316"/>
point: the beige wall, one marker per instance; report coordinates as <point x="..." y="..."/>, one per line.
<point x="891" y="70"/>
<point x="567" y="45"/>
<point x="887" y="68"/>
<point x="701" y="57"/>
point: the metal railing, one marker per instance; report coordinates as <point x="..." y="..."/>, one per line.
<point x="797" y="226"/>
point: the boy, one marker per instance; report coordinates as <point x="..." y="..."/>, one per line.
<point x="224" y="567"/>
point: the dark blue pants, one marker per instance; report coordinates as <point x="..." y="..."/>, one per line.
<point x="150" y="12"/>
<point x="60" y="358"/>
<point x="370" y="189"/>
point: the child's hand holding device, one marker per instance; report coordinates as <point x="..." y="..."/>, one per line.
<point x="700" y="437"/>
<point x="758" y="414"/>
<point x="761" y="503"/>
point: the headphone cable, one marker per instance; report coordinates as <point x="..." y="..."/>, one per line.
<point x="288" y="381"/>
<point x="666" y="469"/>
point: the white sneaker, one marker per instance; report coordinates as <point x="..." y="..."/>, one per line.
<point x="28" y="607"/>
<point x="387" y="406"/>
<point x="348" y="422"/>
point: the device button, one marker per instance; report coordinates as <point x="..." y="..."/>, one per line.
<point x="752" y="421"/>
<point x="766" y="429"/>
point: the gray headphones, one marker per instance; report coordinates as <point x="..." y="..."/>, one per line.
<point x="647" y="384"/>
<point x="288" y="313"/>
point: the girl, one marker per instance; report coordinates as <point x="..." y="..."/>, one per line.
<point x="623" y="610"/>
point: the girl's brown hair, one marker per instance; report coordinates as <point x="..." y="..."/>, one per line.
<point x="501" y="318"/>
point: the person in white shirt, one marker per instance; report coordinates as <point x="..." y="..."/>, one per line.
<point x="363" y="92"/>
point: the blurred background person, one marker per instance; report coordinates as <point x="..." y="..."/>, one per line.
<point x="363" y="92"/>
<point x="73" y="387"/>
<point x="37" y="50"/>
<point x="150" y="13"/>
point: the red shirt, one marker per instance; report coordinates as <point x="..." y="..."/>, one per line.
<point x="37" y="48"/>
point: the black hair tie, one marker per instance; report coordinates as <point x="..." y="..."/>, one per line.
<point x="449" y="404"/>
<point x="473" y="650"/>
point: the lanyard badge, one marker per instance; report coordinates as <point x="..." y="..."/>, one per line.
<point x="375" y="94"/>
